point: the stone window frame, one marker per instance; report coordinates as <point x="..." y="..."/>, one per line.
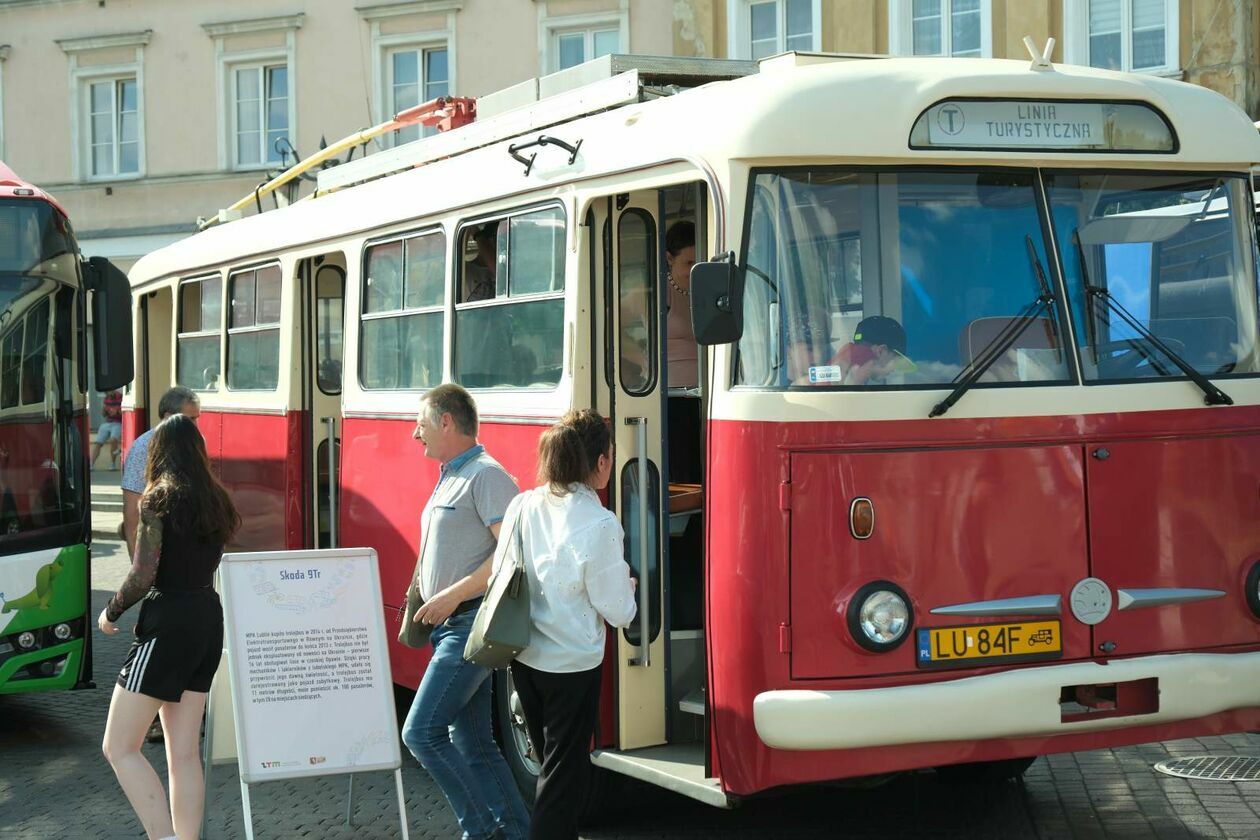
<point x="1076" y="37"/>
<point x="82" y="76"/>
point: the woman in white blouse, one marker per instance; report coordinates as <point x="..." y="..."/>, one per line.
<point x="578" y="580"/>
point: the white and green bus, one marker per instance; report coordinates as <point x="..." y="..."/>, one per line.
<point x="45" y="525"/>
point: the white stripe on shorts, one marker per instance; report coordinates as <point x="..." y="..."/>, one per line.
<point x="138" y="665"/>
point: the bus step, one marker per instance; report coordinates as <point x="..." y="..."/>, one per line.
<point x="693" y="703"/>
<point x="676" y="767"/>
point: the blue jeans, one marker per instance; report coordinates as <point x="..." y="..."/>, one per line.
<point x="448" y="731"/>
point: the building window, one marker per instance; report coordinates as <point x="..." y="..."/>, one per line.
<point x="1131" y="35"/>
<point x="253" y="352"/>
<point x="569" y="40"/>
<point x="200" y="328"/>
<point x="762" y="28"/>
<point x="416" y="76"/>
<point x="113" y="127"/>
<point x="404" y="297"/>
<point x="573" y="48"/>
<point x="958" y="28"/>
<point x="509" y="318"/>
<point x="260" y="97"/>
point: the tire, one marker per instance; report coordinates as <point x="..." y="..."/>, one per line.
<point x="985" y="772"/>
<point x="509" y="728"/>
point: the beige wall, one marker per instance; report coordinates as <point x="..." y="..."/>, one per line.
<point x="497" y="43"/>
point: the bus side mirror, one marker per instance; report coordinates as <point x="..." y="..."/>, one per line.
<point x="717" y="302"/>
<point x="111" y="323"/>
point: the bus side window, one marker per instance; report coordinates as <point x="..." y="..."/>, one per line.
<point x="515" y="336"/>
<point x="404" y="290"/>
<point x="253" y="352"/>
<point x="200" y="333"/>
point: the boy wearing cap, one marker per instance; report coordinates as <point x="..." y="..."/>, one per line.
<point x="876" y="351"/>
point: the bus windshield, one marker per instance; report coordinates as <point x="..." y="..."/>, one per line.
<point x="35" y="240"/>
<point x="903" y="278"/>
<point x="894" y="279"/>
<point x="41" y="447"/>
<point x="1172" y="254"/>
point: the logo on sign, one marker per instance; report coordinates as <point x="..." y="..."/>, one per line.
<point x="318" y="759"/>
<point x="951" y="120"/>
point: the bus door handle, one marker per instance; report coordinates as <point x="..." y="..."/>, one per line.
<point x="644" y="658"/>
<point x="331" y="423"/>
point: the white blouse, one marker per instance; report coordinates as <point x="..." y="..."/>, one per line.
<point x="578" y="576"/>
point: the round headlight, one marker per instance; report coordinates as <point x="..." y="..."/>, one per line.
<point x="1252" y="589"/>
<point x="26" y="640"/>
<point x="880" y="616"/>
<point x="62" y="632"/>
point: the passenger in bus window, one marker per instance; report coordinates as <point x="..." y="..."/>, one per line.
<point x="479" y="272"/>
<point x="681" y="355"/>
<point x="876" y="352"/>
<point x="448" y="727"/>
<point x="187" y="517"/>
<point x="578" y="580"/>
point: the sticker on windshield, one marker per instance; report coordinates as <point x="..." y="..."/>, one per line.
<point x="826" y="373"/>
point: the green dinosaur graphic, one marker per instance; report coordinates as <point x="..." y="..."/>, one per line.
<point x="42" y="594"/>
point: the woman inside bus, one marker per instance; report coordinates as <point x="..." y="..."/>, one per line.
<point x="186" y="518"/>
<point x="578" y="579"/>
<point x="681" y="356"/>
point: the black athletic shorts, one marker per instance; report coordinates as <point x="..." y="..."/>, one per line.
<point x="179" y="639"/>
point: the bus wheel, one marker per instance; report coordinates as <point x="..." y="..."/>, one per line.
<point x="513" y="736"/>
<point x="984" y="772"/>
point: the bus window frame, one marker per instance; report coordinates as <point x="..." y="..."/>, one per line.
<point x="456" y="276"/>
<point x="1053" y="266"/>
<point x="270" y="326"/>
<point x="1172" y="131"/>
<point x="48" y="337"/>
<point x="179" y="328"/>
<point x="401" y="237"/>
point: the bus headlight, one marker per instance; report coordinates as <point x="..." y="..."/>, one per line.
<point x="62" y="632"/>
<point x="1252" y="589"/>
<point x="26" y="640"/>
<point x="880" y="616"/>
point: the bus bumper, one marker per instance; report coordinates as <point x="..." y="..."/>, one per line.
<point x="1010" y="704"/>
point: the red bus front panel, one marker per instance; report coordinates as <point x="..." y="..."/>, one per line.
<point x="1175" y="515"/>
<point x="951" y="527"/>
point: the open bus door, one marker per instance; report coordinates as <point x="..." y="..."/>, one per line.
<point x="635" y="403"/>
<point x="322" y="288"/>
<point x="659" y="667"/>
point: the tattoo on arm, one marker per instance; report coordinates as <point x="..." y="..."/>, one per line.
<point x="144" y="566"/>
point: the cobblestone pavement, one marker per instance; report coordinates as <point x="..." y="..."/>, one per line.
<point x="55" y="784"/>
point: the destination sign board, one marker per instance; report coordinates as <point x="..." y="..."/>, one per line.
<point x="1012" y="124"/>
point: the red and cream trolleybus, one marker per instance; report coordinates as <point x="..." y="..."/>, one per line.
<point x="965" y="471"/>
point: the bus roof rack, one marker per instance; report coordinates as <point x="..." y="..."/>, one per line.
<point x="609" y="81"/>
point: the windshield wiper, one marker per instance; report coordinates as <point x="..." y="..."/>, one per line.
<point x="1211" y="394"/>
<point x="1002" y="342"/>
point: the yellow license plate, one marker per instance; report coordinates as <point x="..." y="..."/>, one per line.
<point x="983" y="644"/>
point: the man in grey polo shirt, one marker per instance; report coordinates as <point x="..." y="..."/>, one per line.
<point x="448" y="727"/>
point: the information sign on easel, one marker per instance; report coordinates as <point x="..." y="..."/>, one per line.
<point x="310" y="681"/>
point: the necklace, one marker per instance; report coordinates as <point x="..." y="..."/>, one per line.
<point x="683" y="292"/>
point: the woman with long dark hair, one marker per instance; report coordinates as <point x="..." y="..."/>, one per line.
<point x="578" y="579"/>
<point x="186" y="518"/>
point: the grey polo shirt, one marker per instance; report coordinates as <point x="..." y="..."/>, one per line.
<point x="471" y="495"/>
